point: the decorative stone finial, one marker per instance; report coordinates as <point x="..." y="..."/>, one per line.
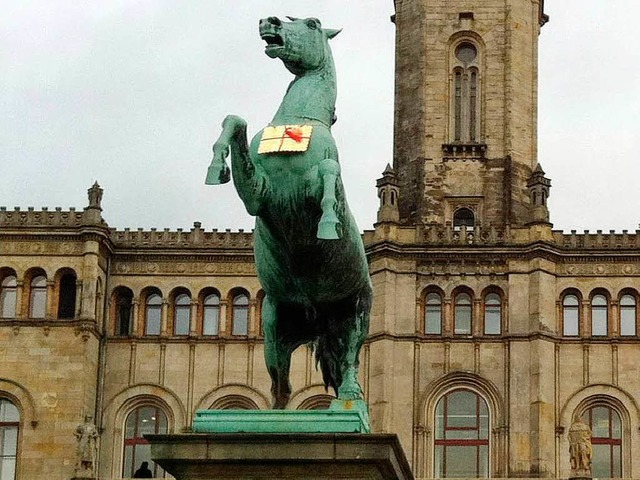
<point x="95" y="196"/>
<point x="388" y="192"/>
<point x="539" y="188"/>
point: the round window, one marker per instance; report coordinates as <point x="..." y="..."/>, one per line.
<point x="466" y="52"/>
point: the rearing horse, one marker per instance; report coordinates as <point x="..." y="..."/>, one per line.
<point x="308" y="249"/>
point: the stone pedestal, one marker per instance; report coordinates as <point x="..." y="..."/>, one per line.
<point x="308" y="456"/>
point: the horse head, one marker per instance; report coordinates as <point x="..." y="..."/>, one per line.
<point x="301" y="44"/>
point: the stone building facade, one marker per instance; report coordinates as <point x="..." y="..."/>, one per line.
<point x="490" y="331"/>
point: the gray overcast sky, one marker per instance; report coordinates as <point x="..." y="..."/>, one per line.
<point x="132" y="92"/>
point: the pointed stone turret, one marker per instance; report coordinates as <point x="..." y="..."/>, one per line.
<point x="539" y="188"/>
<point x="388" y="194"/>
<point x="92" y="213"/>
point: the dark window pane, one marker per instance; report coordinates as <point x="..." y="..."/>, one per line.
<point x="182" y="318"/>
<point x="67" y="297"/>
<point x="8" y="292"/>
<point x="458" y="106"/>
<point x="153" y="315"/>
<point x="599" y="315"/>
<point x="492" y="314"/>
<point x="211" y="320"/>
<point x="464" y="217"/>
<point x="600" y="422"/>
<point x="240" y="315"/>
<point x="466" y="52"/>
<point x="463" y="314"/>
<point x="628" y="315"/>
<point x="601" y="461"/>
<point x="433" y="314"/>
<point x="570" y="317"/>
<point x="38" y="298"/>
<point x="462" y="461"/>
<point x="462" y="409"/>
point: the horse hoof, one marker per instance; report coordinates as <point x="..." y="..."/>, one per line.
<point x="328" y="231"/>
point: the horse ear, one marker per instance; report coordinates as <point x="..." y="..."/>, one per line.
<point x="331" y="33"/>
<point x="293" y="19"/>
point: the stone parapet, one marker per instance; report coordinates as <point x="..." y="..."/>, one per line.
<point x="195" y="237"/>
<point x="41" y="218"/>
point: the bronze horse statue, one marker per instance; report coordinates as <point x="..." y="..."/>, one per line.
<point x="308" y="249"/>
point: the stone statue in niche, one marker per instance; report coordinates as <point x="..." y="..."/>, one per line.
<point x="580" y="450"/>
<point x="86" y="450"/>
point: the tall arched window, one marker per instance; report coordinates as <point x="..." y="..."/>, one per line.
<point x="466" y="93"/>
<point x="9" y="426"/>
<point x="211" y="315"/>
<point x="628" y="315"/>
<point x="570" y="316"/>
<point x="153" y="314"/>
<point x="606" y="441"/>
<point x="143" y="420"/>
<point x="433" y="314"/>
<point x="461" y="436"/>
<point x="240" y="315"/>
<point x="8" y="297"/>
<point x="38" y="297"/>
<point x="123" y="304"/>
<point x="599" y="315"/>
<point x="181" y="314"/>
<point x="67" y="296"/>
<point x="462" y="314"/>
<point x="492" y="314"/>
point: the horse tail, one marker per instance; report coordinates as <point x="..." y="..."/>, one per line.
<point x="338" y="347"/>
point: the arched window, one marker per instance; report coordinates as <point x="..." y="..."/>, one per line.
<point x="599" y="315"/>
<point x="433" y="314"/>
<point x="240" y="315"/>
<point x="570" y="316"/>
<point x="211" y="315"/>
<point x="67" y="296"/>
<point x="8" y="297"/>
<point x="628" y="315"/>
<point x="606" y="441"/>
<point x="463" y="217"/>
<point x="234" y="402"/>
<point x="38" y="297"/>
<point x="462" y="314"/>
<point x="9" y="426"/>
<point x="181" y="314"/>
<point x="123" y="311"/>
<point x="466" y="93"/>
<point x="461" y="436"/>
<point x="317" y="402"/>
<point x="143" y="420"/>
<point x="153" y="314"/>
<point x="492" y="314"/>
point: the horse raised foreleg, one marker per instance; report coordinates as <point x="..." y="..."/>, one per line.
<point x="328" y="225"/>
<point x="277" y="355"/>
<point x="233" y="139"/>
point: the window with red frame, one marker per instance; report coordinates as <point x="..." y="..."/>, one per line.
<point x="606" y="441"/>
<point x="9" y="426"/>
<point x="461" y="436"/>
<point x="142" y="421"/>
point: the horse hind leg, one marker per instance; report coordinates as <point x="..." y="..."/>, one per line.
<point x="348" y="324"/>
<point x="277" y="354"/>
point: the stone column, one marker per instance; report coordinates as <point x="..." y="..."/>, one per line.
<point x="163" y="317"/>
<point x="77" y="312"/>
<point x="135" y="321"/>
<point x="222" y="319"/>
<point x="614" y="316"/>
<point x="193" y="318"/>
<point x="251" y="327"/>
<point x="19" y="300"/>
<point x="477" y="325"/>
<point x="585" y="319"/>
<point x="49" y="312"/>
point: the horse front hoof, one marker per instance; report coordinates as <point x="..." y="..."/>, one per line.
<point x="328" y="230"/>
<point x="217" y="174"/>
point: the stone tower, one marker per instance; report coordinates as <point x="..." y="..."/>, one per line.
<point x="465" y="110"/>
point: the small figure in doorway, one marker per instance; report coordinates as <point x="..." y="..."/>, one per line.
<point x="143" y="471"/>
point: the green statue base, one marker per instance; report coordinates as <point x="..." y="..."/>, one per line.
<point x="343" y="416"/>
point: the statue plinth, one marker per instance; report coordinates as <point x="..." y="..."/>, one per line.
<point x="287" y="456"/>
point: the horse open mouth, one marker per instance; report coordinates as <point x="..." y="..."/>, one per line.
<point x="274" y="43"/>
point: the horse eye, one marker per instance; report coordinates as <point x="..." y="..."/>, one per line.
<point x="312" y="24"/>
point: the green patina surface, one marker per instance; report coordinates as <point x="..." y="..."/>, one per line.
<point x="308" y="249"/>
<point x="342" y="417"/>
